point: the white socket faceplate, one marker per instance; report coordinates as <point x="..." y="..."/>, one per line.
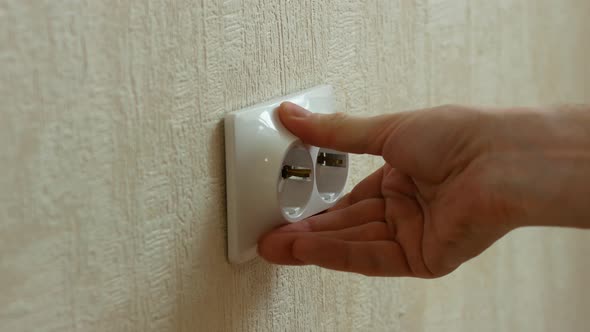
<point x="257" y="147"/>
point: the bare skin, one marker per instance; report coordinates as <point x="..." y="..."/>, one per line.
<point x="455" y="180"/>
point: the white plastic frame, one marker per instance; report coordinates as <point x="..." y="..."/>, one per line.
<point x="256" y="144"/>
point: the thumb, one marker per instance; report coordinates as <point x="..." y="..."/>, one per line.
<point x="338" y="131"/>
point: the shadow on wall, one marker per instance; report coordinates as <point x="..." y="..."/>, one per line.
<point x="214" y="295"/>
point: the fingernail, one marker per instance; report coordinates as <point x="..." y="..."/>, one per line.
<point x="294" y="111"/>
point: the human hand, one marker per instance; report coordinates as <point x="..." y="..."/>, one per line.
<point x="455" y="180"/>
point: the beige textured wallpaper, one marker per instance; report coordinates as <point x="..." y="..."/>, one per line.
<point x="112" y="200"/>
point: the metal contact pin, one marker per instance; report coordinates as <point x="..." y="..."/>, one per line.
<point x="331" y="159"/>
<point x="289" y="172"/>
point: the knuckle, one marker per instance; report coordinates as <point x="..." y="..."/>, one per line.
<point x="334" y="125"/>
<point x="337" y="118"/>
<point x="337" y="121"/>
<point x="375" y="231"/>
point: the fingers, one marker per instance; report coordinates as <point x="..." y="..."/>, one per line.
<point x="369" y="187"/>
<point x="373" y="231"/>
<point x="357" y="214"/>
<point x="277" y="247"/>
<point x="338" y="131"/>
<point x="375" y="258"/>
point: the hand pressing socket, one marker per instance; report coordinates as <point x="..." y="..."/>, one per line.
<point x="455" y="179"/>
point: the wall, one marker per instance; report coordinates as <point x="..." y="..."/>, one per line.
<point x="112" y="170"/>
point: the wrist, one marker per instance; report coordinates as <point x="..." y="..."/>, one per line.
<point x="546" y="155"/>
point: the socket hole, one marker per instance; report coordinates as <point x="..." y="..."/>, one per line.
<point x="295" y="181"/>
<point x="331" y="173"/>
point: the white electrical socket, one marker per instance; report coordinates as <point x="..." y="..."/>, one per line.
<point x="271" y="176"/>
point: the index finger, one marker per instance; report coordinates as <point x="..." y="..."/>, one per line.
<point x="339" y="131"/>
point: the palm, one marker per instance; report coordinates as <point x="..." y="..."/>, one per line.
<point x="426" y="222"/>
